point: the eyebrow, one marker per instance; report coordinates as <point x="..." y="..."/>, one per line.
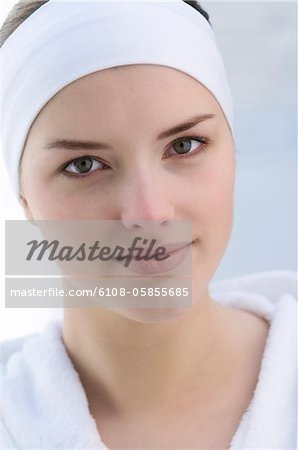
<point x="91" y="145"/>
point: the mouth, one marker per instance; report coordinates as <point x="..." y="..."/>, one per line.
<point x="170" y="249"/>
<point x="175" y="247"/>
<point x="176" y="255"/>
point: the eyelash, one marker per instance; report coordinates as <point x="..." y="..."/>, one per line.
<point x="204" y="141"/>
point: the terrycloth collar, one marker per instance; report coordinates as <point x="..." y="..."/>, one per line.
<point x="45" y="406"/>
<point x="44" y="403"/>
<point x="270" y="420"/>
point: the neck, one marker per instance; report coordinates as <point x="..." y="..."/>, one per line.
<point x="130" y="366"/>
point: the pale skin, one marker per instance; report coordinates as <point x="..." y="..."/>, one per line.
<point x="153" y="378"/>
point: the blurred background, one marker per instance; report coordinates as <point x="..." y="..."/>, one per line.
<point x="258" y="41"/>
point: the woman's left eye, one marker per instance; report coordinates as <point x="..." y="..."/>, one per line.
<point x="189" y="145"/>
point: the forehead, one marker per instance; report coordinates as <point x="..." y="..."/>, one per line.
<point x="138" y="81"/>
<point x="127" y="94"/>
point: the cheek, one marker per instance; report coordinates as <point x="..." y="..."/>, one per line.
<point x="49" y="200"/>
<point x="220" y="193"/>
<point x="215" y="188"/>
<point x="44" y="200"/>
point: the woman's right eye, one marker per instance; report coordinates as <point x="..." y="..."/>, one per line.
<point x="82" y="165"/>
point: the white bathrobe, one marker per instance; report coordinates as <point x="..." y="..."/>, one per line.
<point x="44" y="405"/>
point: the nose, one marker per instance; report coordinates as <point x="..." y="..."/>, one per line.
<point x="147" y="204"/>
<point x="144" y="225"/>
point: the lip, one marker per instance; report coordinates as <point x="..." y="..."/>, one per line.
<point x="177" y="253"/>
<point x="169" y="248"/>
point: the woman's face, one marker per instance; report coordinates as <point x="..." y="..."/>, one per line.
<point x="138" y="174"/>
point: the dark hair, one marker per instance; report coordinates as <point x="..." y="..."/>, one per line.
<point x="23" y="9"/>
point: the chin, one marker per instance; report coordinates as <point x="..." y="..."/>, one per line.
<point x="152" y="315"/>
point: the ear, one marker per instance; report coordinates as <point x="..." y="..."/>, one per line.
<point x="26" y="209"/>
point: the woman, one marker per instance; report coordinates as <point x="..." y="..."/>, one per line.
<point x="156" y="95"/>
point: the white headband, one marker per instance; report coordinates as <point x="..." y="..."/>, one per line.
<point x="65" y="40"/>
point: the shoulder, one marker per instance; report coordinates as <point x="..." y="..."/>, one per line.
<point x="20" y="353"/>
<point x="264" y="304"/>
<point x="44" y="400"/>
<point x="271" y="296"/>
<point x="25" y="364"/>
<point x="10" y="352"/>
<point x="11" y="346"/>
